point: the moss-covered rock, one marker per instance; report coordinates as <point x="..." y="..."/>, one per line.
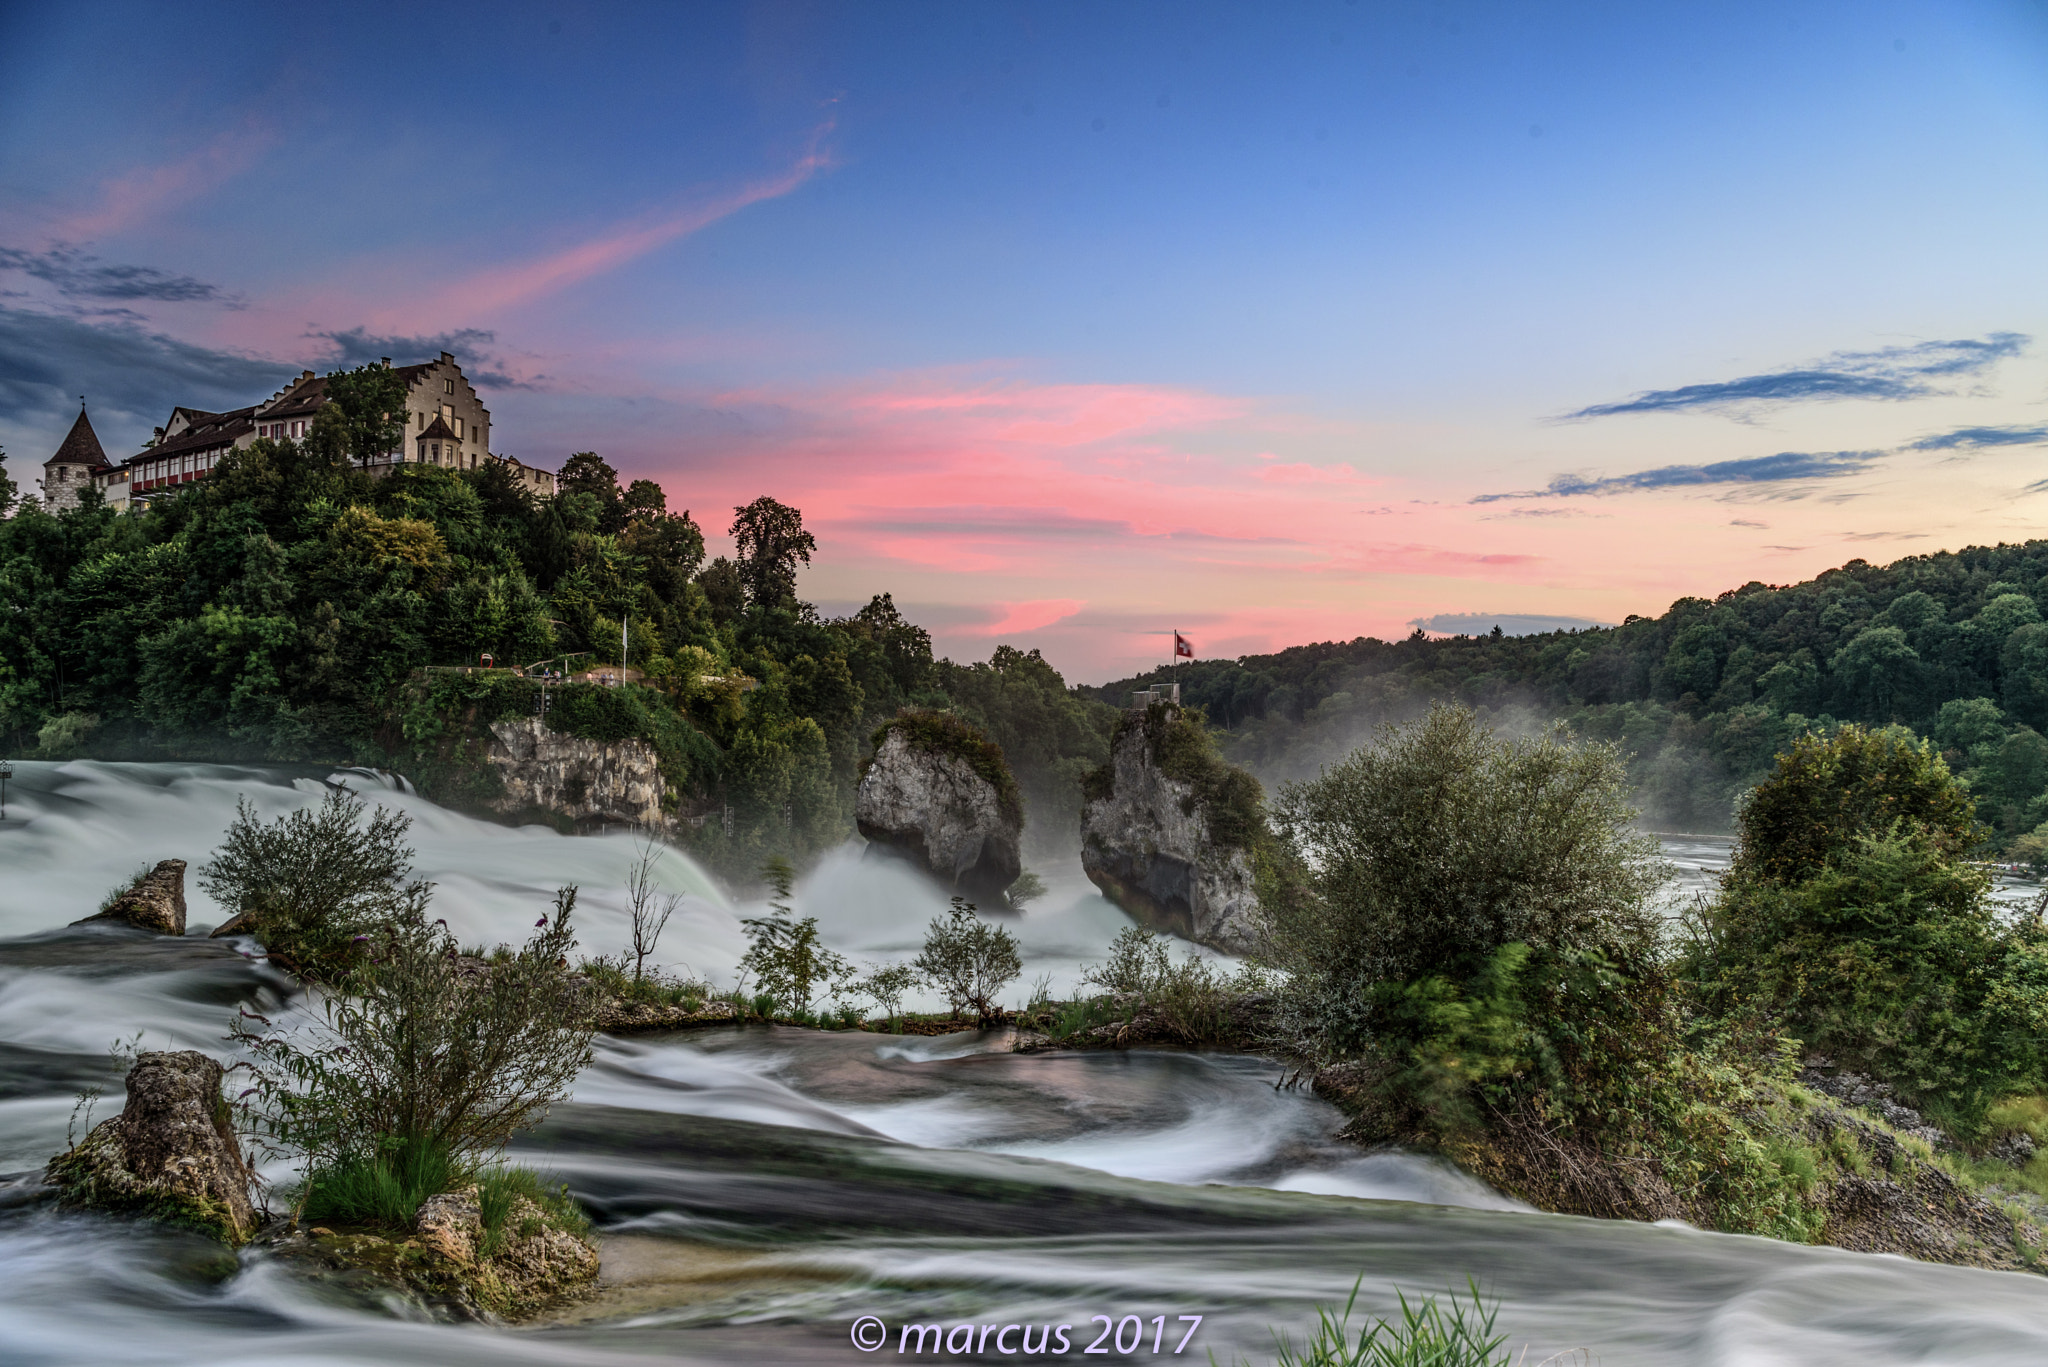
<point x="156" y="903"/>
<point x="171" y="1155"/>
<point x="939" y="792"/>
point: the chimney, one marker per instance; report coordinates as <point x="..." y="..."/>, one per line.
<point x="305" y="376"/>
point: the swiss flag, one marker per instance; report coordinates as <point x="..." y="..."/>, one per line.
<point x="1183" y="649"/>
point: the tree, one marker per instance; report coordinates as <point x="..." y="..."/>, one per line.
<point x="650" y="907"/>
<point x="1828" y="791"/>
<point x="371" y="402"/>
<point x="1431" y="849"/>
<point x="786" y="956"/>
<point x="425" y="1049"/>
<point x="1875" y="669"/>
<point x="7" y="487"/>
<point x="772" y="542"/>
<point x="969" y="961"/>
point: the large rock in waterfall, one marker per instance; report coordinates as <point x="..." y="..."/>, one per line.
<point x="171" y="1155"/>
<point x="156" y="903"/>
<point x="940" y="793"/>
<point x="1169" y="832"/>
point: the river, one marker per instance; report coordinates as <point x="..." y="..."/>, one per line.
<point x="759" y="1190"/>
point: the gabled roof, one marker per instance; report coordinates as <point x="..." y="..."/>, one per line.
<point x="81" y="446"/>
<point x="206" y="432"/>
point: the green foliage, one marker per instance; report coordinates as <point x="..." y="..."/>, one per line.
<point x="421" y="1048"/>
<point x="1190" y="1000"/>
<point x="1827" y="791"/>
<point x="1231" y="801"/>
<point x="944" y="733"/>
<point x="969" y="961"/>
<point x="771" y="542"/>
<point x="382" y="1186"/>
<point x="885" y="985"/>
<point x="1051" y="737"/>
<point x="500" y="1189"/>
<point x="1456" y="1333"/>
<point x="1701" y="699"/>
<point x="314" y="880"/>
<point x="1433" y="848"/>
<point x="369" y="402"/>
<point x="784" y="954"/>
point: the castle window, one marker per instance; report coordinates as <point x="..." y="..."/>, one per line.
<point x="448" y="386"/>
<point x="458" y="429"/>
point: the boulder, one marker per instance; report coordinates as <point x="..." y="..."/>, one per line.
<point x="939" y="793"/>
<point x="1150" y="842"/>
<point x="156" y="903"/>
<point x="170" y="1155"/>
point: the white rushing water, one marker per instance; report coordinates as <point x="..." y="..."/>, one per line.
<point x="911" y="1178"/>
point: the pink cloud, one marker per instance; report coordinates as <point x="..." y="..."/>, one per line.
<point x="501" y="287"/>
<point x="1022" y="617"/>
<point x="126" y="200"/>
<point x="1301" y="473"/>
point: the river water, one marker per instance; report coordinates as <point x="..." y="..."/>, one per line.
<point x="759" y="1190"/>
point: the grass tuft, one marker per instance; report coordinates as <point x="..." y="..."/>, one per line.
<point x="1453" y="1333"/>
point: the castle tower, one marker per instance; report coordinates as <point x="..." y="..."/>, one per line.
<point x="70" y="470"/>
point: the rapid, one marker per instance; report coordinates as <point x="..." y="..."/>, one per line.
<point x="759" y="1190"/>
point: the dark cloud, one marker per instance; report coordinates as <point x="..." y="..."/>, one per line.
<point x="1906" y="372"/>
<point x="473" y="348"/>
<point x="1975" y="438"/>
<point x="1510" y="623"/>
<point x="1786" y="465"/>
<point x="47" y="360"/>
<point x="79" y="276"/>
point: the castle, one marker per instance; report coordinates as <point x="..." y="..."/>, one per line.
<point x="445" y="424"/>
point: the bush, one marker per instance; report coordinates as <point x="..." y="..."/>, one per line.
<point x="787" y="959"/>
<point x="381" y="1187"/>
<point x="1191" y="999"/>
<point x="314" y="880"/>
<point x="969" y="961"/>
<point x="423" y="1051"/>
<point x="1428" y="851"/>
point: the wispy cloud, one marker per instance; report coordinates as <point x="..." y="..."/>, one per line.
<point x="79" y="276"/>
<point x="1784" y="466"/>
<point x="1015" y="618"/>
<point x="125" y="200"/>
<point x="503" y="286"/>
<point x="1904" y="372"/>
<point x="1976" y="438"/>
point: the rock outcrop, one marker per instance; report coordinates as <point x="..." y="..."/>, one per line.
<point x="939" y="792"/>
<point x="171" y="1155"/>
<point x="585" y="780"/>
<point x="156" y="903"/>
<point x="1150" y="840"/>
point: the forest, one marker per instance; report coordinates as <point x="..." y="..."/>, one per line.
<point x="294" y="608"/>
<point x="1951" y="646"/>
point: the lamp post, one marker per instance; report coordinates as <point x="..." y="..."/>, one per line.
<point x="6" y="772"/>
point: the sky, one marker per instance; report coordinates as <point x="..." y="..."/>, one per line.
<point x="1072" y="325"/>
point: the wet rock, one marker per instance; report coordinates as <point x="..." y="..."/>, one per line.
<point x="156" y="903"/>
<point x="587" y="781"/>
<point x="170" y="1155"/>
<point x="930" y="796"/>
<point x="1149" y="844"/>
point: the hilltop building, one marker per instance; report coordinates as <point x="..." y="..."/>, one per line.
<point x="446" y="424"/>
<point x="79" y="457"/>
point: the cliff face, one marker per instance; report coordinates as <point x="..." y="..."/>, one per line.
<point x="584" y="780"/>
<point x="935" y="809"/>
<point x="1148" y="844"/>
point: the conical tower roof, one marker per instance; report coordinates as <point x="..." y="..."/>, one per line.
<point x="81" y="445"/>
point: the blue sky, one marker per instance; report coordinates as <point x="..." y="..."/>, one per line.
<point x="1072" y="323"/>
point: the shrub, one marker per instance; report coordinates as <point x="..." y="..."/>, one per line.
<point x="1426" y="852"/>
<point x="1828" y="790"/>
<point x="423" y="1051"/>
<point x="1190" y="998"/>
<point x="314" y="879"/>
<point x="384" y="1186"/>
<point x="969" y="961"/>
<point x="886" y="984"/>
<point x="785" y="956"/>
